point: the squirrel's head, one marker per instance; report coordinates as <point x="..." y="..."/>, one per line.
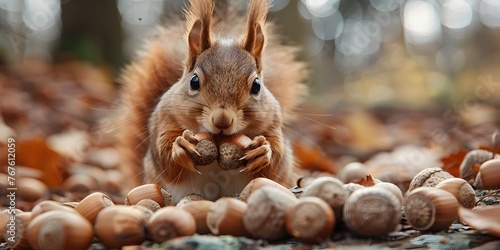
<point x="222" y="81"/>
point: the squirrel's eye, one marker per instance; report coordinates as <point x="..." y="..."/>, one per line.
<point x="195" y="83"/>
<point x="255" y="87"/>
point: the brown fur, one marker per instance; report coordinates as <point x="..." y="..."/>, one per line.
<point x="159" y="107"/>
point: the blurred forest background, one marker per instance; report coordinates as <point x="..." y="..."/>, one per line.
<point x="382" y="73"/>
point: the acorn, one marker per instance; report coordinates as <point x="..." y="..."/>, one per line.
<point x="461" y="189"/>
<point x="353" y="172"/>
<point x="118" y="226"/>
<point x="149" y="191"/>
<point x="264" y="217"/>
<point x="31" y="190"/>
<point x="149" y="204"/>
<point x="226" y="217"/>
<point x="489" y="175"/>
<point x="429" y="177"/>
<point x="170" y="222"/>
<point x="206" y="148"/>
<point x="199" y="210"/>
<point x="231" y="149"/>
<point x="48" y="205"/>
<point x="311" y="220"/>
<point x="59" y="229"/>
<point x="372" y="211"/>
<point x="430" y="209"/>
<point x="330" y="190"/>
<point x="16" y="234"/>
<point x="261" y="182"/>
<point x="91" y="205"/>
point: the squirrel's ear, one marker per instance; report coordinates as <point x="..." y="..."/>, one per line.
<point x="254" y="39"/>
<point x="198" y="40"/>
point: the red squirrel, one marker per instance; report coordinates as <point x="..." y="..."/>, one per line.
<point x="208" y="73"/>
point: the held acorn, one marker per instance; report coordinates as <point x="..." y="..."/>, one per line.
<point x="59" y="229"/>
<point x="311" y="220"/>
<point x="206" y="148"/>
<point x="430" y="209"/>
<point x="372" y="211"/>
<point x="231" y="149"/>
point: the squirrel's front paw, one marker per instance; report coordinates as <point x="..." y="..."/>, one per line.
<point x="258" y="155"/>
<point x="191" y="149"/>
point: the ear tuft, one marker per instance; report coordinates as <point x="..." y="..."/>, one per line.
<point x="199" y="21"/>
<point x="255" y="39"/>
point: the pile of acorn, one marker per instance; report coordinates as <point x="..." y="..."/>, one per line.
<point x="263" y="210"/>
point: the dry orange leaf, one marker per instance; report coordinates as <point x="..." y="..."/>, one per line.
<point x="35" y="153"/>
<point x="313" y="158"/>
<point x="495" y="150"/>
<point x="366" y="181"/>
<point x="482" y="218"/>
<point x="451" y="163"/>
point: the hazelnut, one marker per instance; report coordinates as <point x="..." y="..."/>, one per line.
<point x="149" y="204"/>
<point x="226" y="217"/>
<point x="170" y="222"/>
<point x="231" y="150"/>
<point x="372" y="211"/>
<point x="48" y="205"/>
<point x="206" y="148"/>
<point x="118" y="226"/>
<point x="60" y="229"/>
<point x="148" y="191"/>
<point x="489" y="175"/>
<point x="429" y="177"/>
<point x="265" y="215"/>
<point x="391" y="188"/>
<point x="199" y="210"/>
<point x="461" y="189"/>
<point x="311" y="220"/>
<point x="351" y="187"/>
<point x="20" y="228"/>
<point x="189" y="198"/>
<point x="261" y="182"/>
<point x="330" y="190"/>
<point x="31" y="190"/>
<point x="353" y="172"/>
<point x="472" y="159"/>
<point x="430" y="209"/>
<point x="91" y="205"/>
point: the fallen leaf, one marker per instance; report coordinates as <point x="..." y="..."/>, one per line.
<point x="35" y="153"/>
<point x="313" y="158"/>
<point x="484" y="218"/>
<point x="451" y="162"/>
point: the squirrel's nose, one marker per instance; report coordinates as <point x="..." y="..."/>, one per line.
<point x="222" y="122"/>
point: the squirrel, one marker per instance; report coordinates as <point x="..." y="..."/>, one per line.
<point x="220" y="74"/>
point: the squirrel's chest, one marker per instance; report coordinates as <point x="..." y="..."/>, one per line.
<point x="212" y="183"/>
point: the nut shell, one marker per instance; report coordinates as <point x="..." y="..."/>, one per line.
<point x="170" y="222"/>
<point x="148" y="191"/>
<point x="226" y="217"/>
<point x="149" y="204"/>
<point x="31" y="190"/>
<point x="353" y="172"/>
<point x="311" y="220"/>
<point x="471" y="159"/>
<point x="330" y="190"/>
<point x="48" y="205"/>
<point x="429" y="177"/>
<point x="21" y="233"/>
<point x="91" y="205"/>
<point x="206" y="148"/>
<point x="461" y="189"/>
<point x="231" y="149"/>
<point x="261" y="182"/>
<point x="372" y="211"/>
<point x="199" y="210"/>
<point x="430" y="209"/>
<point x="59" y="229"/>
<point x="118" y="226"/>
<point x="265" y="215"/>
<point x="489" y="175"/>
